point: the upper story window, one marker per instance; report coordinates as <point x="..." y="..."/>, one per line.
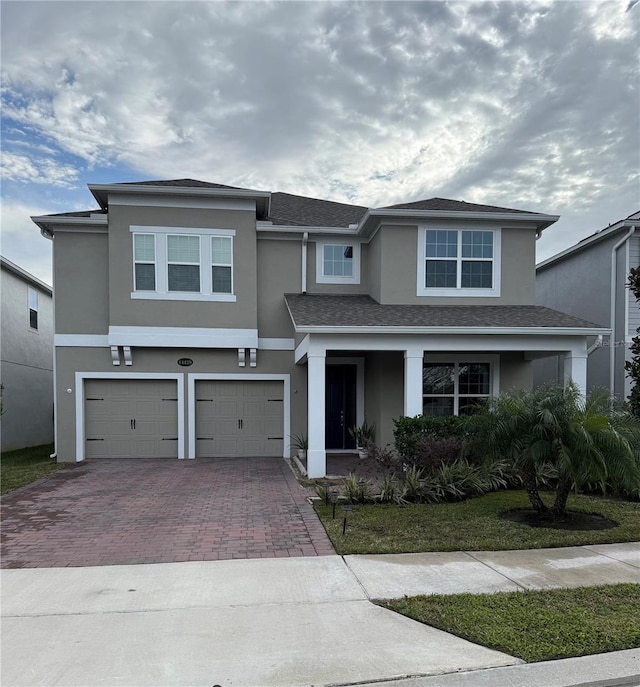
<point x="459" y="262"/>
<point x="179" y="263"/>
<point x="33" y="308"/>
<point x="337" y="263"/>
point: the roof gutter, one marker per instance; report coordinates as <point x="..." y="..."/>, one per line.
<point x="372" y="218"/>
<point x="612" y="323"/>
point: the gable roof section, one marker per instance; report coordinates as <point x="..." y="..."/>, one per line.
<point x="180" y="183"/>
<point x="339" y="313"/>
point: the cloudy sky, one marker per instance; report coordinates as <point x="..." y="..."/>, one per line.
<point x="530" y="105"/>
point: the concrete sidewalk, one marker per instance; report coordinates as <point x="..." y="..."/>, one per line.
<point x="283" y="622"/>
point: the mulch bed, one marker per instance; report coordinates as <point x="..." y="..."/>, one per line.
<point x="572" y="520"/>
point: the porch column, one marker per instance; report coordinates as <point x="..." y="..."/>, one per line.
<point x="575" y="368"/>
<point x="316" y="456"/>
<point x="413" y="382"/>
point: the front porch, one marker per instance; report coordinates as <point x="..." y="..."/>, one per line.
<point x="415" y="359"/>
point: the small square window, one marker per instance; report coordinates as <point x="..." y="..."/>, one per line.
<point x="338" y="263"/>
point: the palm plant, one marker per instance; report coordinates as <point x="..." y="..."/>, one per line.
<point x="591" y="440"/>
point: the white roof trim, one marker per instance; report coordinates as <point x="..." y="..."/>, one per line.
<point x="267" y="227"/>
<point x="554" y="331"/>
<point x="26" y="276"/>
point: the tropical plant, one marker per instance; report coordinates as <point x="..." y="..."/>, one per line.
<point x="357" y="490"/>
<point x="633" y="366"/>
<point x="590" y="440"/>
<point x="300" y="441"/>
<point x="363" y="434"/>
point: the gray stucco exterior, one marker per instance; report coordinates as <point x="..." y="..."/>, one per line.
<point x="582" y="281"/>
<point x="27" y="361"/>
<point x="112" y="336"/>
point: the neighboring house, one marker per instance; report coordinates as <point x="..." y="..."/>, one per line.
<point x="589" y="280"/>
<point x="194" y="319"/>
<point x="26" y="346"/>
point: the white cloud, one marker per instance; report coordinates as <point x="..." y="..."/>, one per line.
<point x="523" y="104"/>
<point x="20" y="167"/>
<point x="21" y="241"/>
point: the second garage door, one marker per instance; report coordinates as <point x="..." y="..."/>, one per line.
<point x="239" y="418"/>
<point x="131" y="418"/>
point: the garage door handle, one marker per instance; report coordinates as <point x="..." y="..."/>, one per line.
<point x="239" y="424"/>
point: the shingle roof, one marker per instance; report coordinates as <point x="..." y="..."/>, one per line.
<point x="79" y="213"/>
<point x="180" y="183"/>
<point x="287" y="209"/>
<point x="362" y="311"/>
<point x="446" y="205"/>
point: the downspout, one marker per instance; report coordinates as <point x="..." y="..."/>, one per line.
<point x="305" y="239"/>
<point x="614" y="275"/>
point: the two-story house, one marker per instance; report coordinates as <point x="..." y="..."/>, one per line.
<point x="589" y="280"/>
<point x="26" y="345"/>
<point x="194" y="319"/>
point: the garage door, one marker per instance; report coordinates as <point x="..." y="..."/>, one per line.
<point x="239" y="418"/>
<point x="131" y="418"/>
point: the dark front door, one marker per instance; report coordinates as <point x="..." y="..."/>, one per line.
<point x="341" y="406"/>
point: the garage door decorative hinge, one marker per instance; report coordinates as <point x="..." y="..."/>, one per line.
<point x="94" y="439"/>
<point x="169" y="438"/>
<point x="276" y="438"/>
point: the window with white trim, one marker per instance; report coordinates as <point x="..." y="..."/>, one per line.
<point x="144" y="258"/>
<point x="33" y="308"/>
<point x="455" y="388"/>
<point x="461" y="262"/>
<point x="221" y="264"/>
<point x="182" y="263"/>
<point x="337" y="263"/>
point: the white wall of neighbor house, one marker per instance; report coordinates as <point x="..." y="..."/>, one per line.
<point x="27" y="365"/>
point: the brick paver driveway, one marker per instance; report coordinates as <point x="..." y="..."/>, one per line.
<point x="109" y="512"/>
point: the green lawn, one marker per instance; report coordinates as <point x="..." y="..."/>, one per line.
<point x="536" y="625"/>
<point x="471" y="525"/>
<point x="26" y="465"/>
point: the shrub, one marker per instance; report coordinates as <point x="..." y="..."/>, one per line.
<point x="433" y="451"/>
<point x="410" y="430"/>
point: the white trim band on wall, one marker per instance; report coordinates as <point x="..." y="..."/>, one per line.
<point x="183" y="337"/>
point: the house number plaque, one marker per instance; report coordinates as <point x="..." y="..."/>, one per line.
<point x="185" y="362"/>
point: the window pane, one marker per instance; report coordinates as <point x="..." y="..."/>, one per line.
<point x="221" y="250"/>
<point x="33" y="318"/>
<point x="183" y="249"/>
<point x="144" y="247"/>
<point x="437" y="406"/>
<point x="337" y="261"/>
<point x="474" y="378"/>
<point x="477" y="244"/>
<point x="438" y="378"/>
<point x="221" y="279"/>
<point x="184" y="278"/>
<point x="145" y="277"/>
<point x="440" y="274"/>
<point x="33" y="298"/>
<point x="469" y="406"/>
<point x="442" y="244"/>
<point x="477" y="275"/>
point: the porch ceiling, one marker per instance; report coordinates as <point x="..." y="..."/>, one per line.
<point x="336" y="313"/>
